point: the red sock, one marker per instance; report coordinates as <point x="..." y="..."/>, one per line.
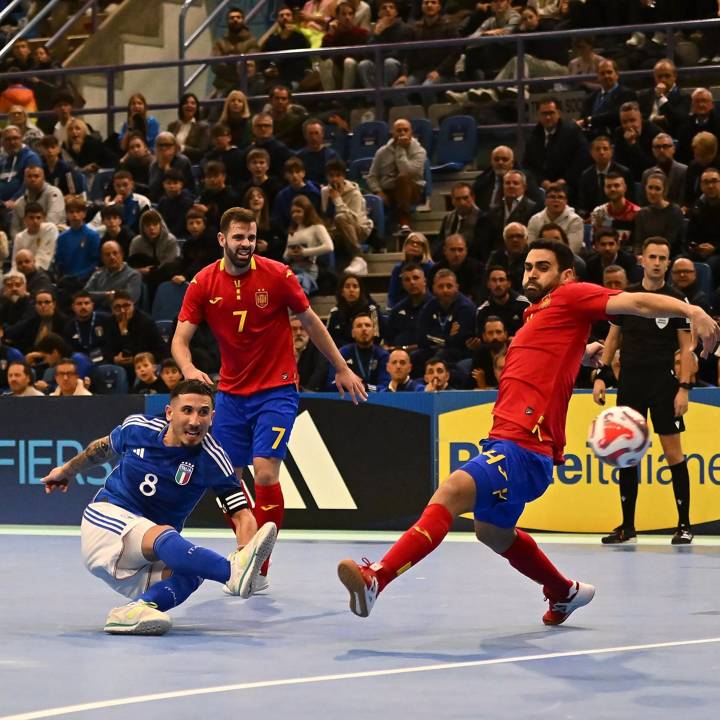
<point x="420" y="540"/>
<point x="269" y="507"/>
<point x="526" y="557"/>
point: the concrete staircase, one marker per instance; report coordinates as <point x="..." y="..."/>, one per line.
<point x="140" y="31"/>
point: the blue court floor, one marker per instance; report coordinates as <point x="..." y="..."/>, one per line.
<point x="459" y="636"/>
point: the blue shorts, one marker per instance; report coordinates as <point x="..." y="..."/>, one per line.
<point x="256" y="425"/>
<point x="506" y="477"/>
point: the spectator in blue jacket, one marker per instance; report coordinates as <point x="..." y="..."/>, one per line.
<point x="77" y="253"/>
<point x="15" y="157"/>
<point x="297" y="185"/>
<point x="446" y="322"/>
<point x="366" y="359"/>
<point x="399" y="367"/>
<point x="415" y="249"/>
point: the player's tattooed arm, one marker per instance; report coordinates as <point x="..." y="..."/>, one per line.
<point x="97" y="452"/>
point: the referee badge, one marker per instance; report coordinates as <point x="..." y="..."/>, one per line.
<point x="262" y="297"/>
<point x="184" y="471"/>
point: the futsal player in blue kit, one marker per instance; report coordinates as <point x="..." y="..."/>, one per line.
<point x="130" y="532"/>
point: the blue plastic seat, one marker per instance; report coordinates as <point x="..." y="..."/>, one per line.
<point x="337" y="139"/>
<point x="456" y="145"/>
<point x="358" y="171"/>
<point x="99" y="184"/>
<point x="111" y="380"/>
<point x="705" y="279"/>
<point x="423" y="130"/>
<point x="165" y="327"/>
<point x="168" y="300"/>
<point x="367" y="138"/>
<point x="376" y="212"/>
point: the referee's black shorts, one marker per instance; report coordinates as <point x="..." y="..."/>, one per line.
<point x="655" y="391"/>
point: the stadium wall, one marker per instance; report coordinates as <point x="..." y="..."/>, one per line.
<point x="368" y="467"/>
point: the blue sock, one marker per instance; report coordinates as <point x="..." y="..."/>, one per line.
<point x="188" y="559"/>
<point x="170" y="593"/>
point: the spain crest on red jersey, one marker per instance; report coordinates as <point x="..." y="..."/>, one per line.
<point x="262" y="297"/>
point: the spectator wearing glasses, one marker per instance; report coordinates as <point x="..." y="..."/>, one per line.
<point x="663" y="148"/>
<point x="702" y="239"/>
<point x="68" y="382"/>
<point x="13" y="161"/>
<point x="263" y="138"/>
<point x="702" y="117"/>
<point x="46" y="319"/>
<point x="684" y="277"/>
<point x="705" y="155"/>
<point x="559" y="212"/>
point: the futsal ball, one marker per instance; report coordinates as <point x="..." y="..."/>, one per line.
<point x="619" y="436"/>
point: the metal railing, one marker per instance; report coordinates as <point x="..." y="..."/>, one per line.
<point x="377" y="52"/>
<point x="73" y="19"/>
<point x="25" y="31"/>
<point x="185" y="44"/>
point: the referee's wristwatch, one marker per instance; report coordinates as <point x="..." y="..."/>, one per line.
<point x="686" y="385"/>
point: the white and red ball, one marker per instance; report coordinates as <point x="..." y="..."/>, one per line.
<point x="619" y="436"/>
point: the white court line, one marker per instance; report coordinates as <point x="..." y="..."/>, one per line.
<point x="55" y="712"/>
<point x="353" y="536"/>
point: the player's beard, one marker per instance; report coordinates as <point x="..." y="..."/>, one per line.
<point x="535" y="292"/>
<point x="236" y="262"/>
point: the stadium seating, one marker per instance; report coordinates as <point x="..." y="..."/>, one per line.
<point x="456" y="144"/>
<point x="168" y="300"/>
<point x="111" y="380"/>
<point x="367" y="138"/>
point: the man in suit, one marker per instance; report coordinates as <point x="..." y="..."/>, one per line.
<point x="488" y="186"/>
<point x="702" y="118"/>
<point x="663" y="148"/>
<point x="606" y="245"/>
<point x="592" y="182"/>
<point x="463" y="218"/>
<point x="600" y="110"/>
<point x="633" y="141"/>
<point x="515" y="207"/>
<point x="665" y="104"/>
<point x="557" y="151"/>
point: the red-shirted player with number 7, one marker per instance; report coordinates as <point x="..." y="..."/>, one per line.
<point x="246" y="301"/>
<point x="528" y="434"/>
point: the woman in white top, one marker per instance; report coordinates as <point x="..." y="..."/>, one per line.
<point x="308" y="239"/>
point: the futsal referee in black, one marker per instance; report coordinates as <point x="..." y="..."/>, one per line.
<point x="648" y="382"/>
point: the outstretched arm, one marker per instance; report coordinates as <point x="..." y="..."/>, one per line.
<point x="345" y="378"/>
<point x="180" y="349"/>
<point x="97" y="452"/>
<point x="652" y="305"/>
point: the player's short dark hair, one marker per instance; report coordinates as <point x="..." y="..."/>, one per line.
<point x="336" y="165"/>
<point x="34" y="208"/>
<point x="169" y="363"/>
<point x="437" y="360"/>
<point x="256" y="153"/>
<point x="81" y="294"/>
<point x="48" y="141"/>
<point x="602" y="138"/>
<point x="630" y="106"/>
<point x="563" y="254"/>
<point x="235" y="215"/>
<point x="123" y="175"/>
<point x="656" y="240"/>
<point x="194" y="387"/>
<point x="547" y="99"/>
<point x="196" y="214"/>
<point x="215" y="168"/>
<point x="66" y="361"/>
<point x="280" y="86"/>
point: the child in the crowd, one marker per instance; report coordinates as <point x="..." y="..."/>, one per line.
<point x="170" y="373"/>
<point x="147" y="382"/>
<point x="175" y="202"/>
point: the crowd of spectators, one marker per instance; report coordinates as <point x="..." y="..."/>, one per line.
<point x="92" y="228"/>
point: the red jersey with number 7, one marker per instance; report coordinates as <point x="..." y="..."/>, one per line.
<point x="541" y="366"/>
<point x="249" y="316"/>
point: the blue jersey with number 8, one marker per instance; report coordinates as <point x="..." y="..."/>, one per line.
<point x="162" y="483"/>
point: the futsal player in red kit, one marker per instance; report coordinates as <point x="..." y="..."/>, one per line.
<point x="246" y="300"/>
<point x="527" y="438"/>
